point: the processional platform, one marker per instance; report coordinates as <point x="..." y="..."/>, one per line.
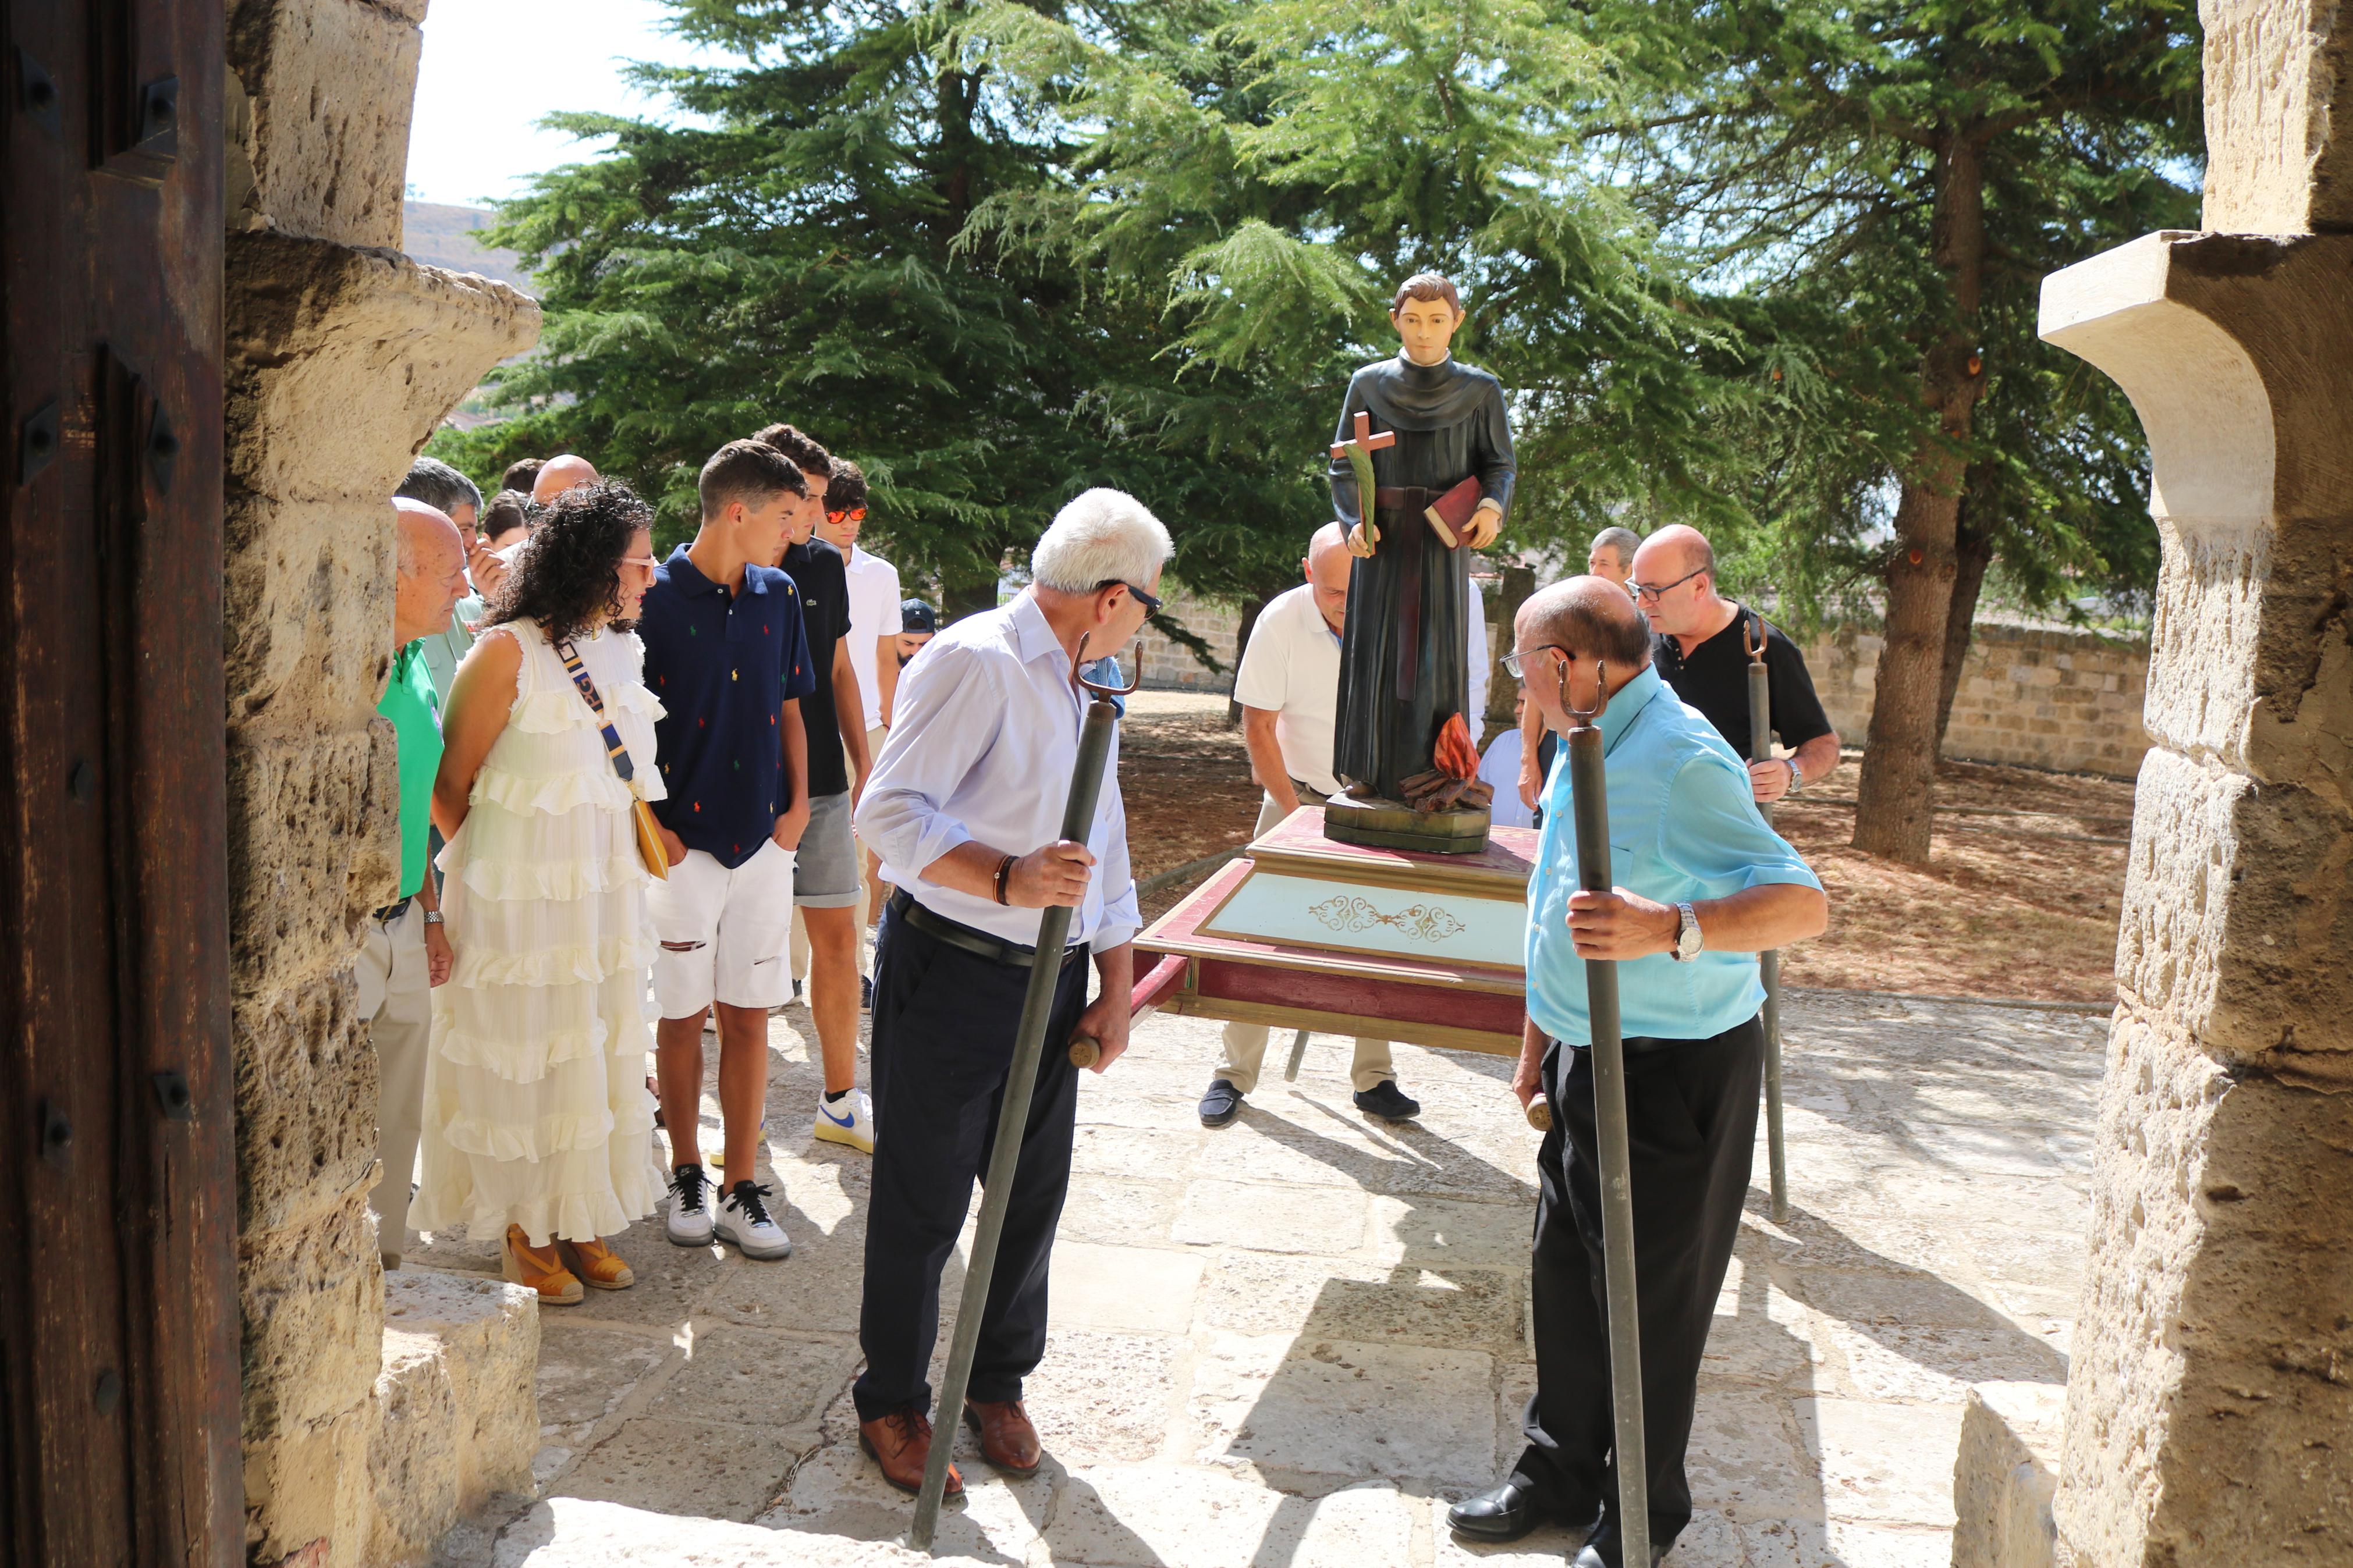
<point x="1301" y="933"/>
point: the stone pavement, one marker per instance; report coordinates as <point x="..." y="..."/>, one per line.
<point x="1290" y="1344"/>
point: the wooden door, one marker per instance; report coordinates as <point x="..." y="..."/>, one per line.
<point x="118" y="1190"/>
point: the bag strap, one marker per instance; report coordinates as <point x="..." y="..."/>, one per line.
<point x="615" y="747"/>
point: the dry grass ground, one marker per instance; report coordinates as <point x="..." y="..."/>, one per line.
<point x="2020" y="898"/>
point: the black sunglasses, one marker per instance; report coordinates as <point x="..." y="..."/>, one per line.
<point x="1151" y="602"/>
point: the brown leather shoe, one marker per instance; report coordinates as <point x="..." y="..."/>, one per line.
<point x="1006" y="1438"/>
<point x="901" y="1442"/>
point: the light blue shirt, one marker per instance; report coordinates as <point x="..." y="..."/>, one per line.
<point x="1684" y="827"/>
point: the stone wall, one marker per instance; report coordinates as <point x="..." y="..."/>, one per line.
<point x="341" y="357"/>
<point x="2064" y="699"/>
<point x="2208" y="1398"/>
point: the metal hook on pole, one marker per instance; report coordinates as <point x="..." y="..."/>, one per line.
<point x="1768" y="964"/>
<point x="1589" y="795"/>
<point x="1013" y="1111"/>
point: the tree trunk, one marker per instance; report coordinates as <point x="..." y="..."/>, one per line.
<point x="1973" y="554"/>
<point x="966" y="597"/>
<point x="1503" y="691"/>
<point x="1895" y="798"/>
<point x="1251" y="609"/>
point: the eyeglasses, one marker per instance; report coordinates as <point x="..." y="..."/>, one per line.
<point x="1515" y="664"/>
<point x="1151" y="602"/>
<point x="1644" y="591"/>
<point x="854" y="514"/>
<point x="648" y="562"/>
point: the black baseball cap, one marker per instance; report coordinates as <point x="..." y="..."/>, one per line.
<point x="915" y="615"/>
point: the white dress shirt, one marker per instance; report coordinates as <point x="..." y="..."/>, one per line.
<point x="873" y="613"/>
<point x="1479" y="666"/>
<point x="1501" y="768"/>
<point x="1292" y="669"/>
<point x="983" y="743"/>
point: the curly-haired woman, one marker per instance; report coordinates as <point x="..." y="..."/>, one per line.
<point x="536" y="1114"/>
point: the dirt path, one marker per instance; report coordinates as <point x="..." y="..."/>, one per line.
<point x="2020" y="898"/>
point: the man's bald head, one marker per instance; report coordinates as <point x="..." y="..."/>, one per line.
<point x="1672" y="552"/>
<point x="432" y="570"/>
<point x="559" y="474"/>
<point x="1592" y="618"/>
<point x="1326" y="567"/>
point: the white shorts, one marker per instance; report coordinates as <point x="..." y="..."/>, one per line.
<point x="723" y="932"/>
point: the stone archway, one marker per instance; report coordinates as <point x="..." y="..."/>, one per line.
<point x="2211" y="1398"/>
<point x="362" y="1440"/>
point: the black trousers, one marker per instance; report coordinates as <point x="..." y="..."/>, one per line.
<point x="944" y="1022"/>
<point x="1691" y="1110"/>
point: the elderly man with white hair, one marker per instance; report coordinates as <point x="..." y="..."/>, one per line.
<point x="965" y="807"/>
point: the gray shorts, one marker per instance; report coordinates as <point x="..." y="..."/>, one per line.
<point x="825" y="872"/>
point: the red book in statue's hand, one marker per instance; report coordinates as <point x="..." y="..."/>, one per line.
<point x="1450" y="513"/>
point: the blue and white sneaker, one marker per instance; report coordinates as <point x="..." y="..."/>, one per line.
<point x="850" y="1120"/>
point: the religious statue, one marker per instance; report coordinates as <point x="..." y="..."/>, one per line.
<point x="1428" y="435"/>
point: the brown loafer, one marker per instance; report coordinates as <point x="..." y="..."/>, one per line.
<point x="901" y="1442"/>
<point x="1006" y="1438"/>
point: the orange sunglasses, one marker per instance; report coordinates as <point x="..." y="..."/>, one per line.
<point x="854" y="514"/>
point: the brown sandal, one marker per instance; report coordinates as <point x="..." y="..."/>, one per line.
<point x="544" y="1271"/>
<point x="599" y="1265"/>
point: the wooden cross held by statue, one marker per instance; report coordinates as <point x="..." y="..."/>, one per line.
<point x="1359" y="453"/>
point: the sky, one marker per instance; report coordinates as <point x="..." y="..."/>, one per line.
<point x="492" y="67"/>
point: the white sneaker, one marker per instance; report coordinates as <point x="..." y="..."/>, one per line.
<point x="850" y="1120"/>
<point x="743" y="1222"/>
<point x="688" y="1224"/>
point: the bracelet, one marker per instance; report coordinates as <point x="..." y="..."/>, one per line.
<point x="1004" y="870"/>
<point x="433" y="917"/>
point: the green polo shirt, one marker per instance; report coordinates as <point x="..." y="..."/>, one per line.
<point x="414" y="710"/>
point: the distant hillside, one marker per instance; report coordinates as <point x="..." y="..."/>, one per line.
<point x="444" y="237"/>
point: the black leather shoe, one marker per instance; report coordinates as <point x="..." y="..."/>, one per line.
<point x="1502" y="1513"/>
<point x="1388" y="1101"/>
<point x="1222" y="1104"/>
<point x="1607" y="1549"/>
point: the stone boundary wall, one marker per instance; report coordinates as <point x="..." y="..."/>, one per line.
<point x="2068" y="700"/>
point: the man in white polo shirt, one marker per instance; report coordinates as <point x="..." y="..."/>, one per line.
<point x="1289" y="686"/>
<point x="873" y="634"/>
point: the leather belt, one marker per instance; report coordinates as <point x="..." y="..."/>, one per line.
<point x="393" y="911"/>
<point x="1011" y="954"/>
<point x="1405" y="498"/>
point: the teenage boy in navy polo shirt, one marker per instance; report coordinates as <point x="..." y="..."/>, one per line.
<point x="726" y="654"/>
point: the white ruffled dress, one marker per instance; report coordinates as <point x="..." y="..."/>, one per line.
<point x="535" y="1105"/>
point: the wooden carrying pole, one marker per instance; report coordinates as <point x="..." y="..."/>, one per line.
<point x="1768" y="964"/>
<point x="1013" y="1114"/>
<point x="1591" y="804"/>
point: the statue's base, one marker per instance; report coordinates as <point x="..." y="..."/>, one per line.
<point x="1388" y="824"/>
<point x="1341" y="939"/>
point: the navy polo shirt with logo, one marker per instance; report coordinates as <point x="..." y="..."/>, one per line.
<point x="724" y="666"/>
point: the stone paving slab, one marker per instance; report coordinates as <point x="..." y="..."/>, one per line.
<point x="1293" y="1340"/>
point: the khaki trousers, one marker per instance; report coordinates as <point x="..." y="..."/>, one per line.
<point x="396" y="997"/>
<point x="1245" y="1043"/>
<point x="869" y="901"/>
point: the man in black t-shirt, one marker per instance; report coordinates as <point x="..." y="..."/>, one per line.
<point x="1699" y="646"/>
<point x="825" y="879"/>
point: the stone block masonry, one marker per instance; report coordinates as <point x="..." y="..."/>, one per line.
<point x="2067" y="700"/>
<point x="341" y="357"/>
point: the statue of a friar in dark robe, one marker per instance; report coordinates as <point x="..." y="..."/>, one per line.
<point x="1432" y="436"/>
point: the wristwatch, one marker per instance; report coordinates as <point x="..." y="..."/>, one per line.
<point x="1796" y="779"/>
<point x="1687" y="935"/>
<point x="433" y="917"/>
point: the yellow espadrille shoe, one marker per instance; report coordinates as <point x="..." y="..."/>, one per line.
<point x="599" y="1267"/>
<point x="540" y="1269"/>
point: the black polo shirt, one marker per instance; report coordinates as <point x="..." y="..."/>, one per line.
<point x="817" y="569"/>
<point x="1713" y="678"/>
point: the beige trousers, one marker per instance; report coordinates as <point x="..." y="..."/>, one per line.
<point x="1245" y="1050"/>
<point x="867" y="899"/>
<point x="396" y="998"/>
